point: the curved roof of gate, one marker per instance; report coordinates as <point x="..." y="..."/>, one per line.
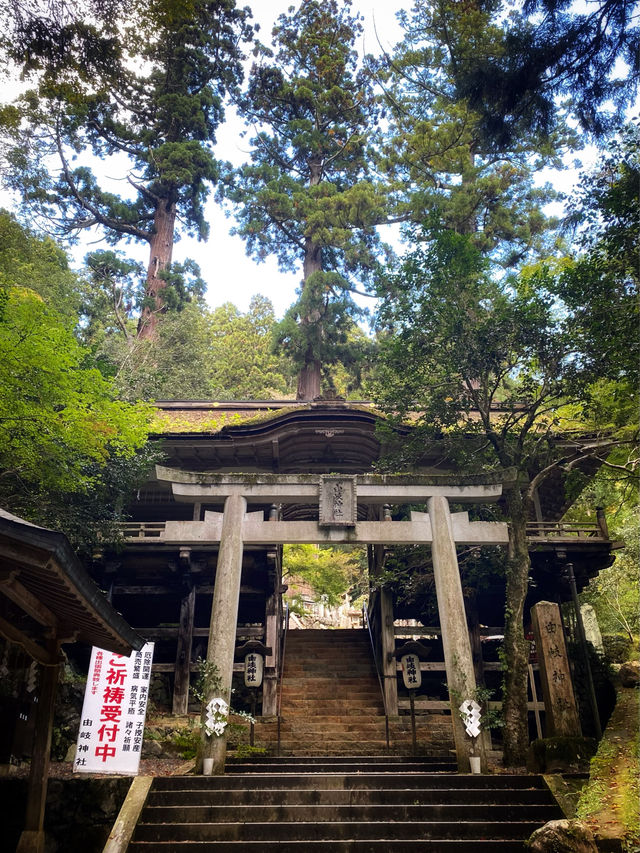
<point x="275" y="436"/>
<point x="286" y="436"/>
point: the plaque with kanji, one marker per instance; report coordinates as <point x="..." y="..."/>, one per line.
<point x="338" y="501"/>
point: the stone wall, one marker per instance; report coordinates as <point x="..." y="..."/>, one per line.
<point x="79" y="814"/>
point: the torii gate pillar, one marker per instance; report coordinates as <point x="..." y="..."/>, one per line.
<point x="224" y="618"/>
<point x="458" y="659"/>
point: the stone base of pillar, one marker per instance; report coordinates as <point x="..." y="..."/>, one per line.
<point x="216" y="749"/>
<point x="31" y="841"/>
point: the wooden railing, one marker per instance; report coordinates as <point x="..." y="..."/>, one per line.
<point x="564" y="529"/>
<point x="135" y="531"/>
<point x="142" y="529"/>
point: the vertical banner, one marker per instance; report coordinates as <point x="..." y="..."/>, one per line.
<point x="113" y="713"/>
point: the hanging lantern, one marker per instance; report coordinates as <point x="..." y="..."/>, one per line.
<point x="253" y="669"/>
<point x="410" y="655"/>
<point x="411" y="674"/>
<point x="253" y="653"/>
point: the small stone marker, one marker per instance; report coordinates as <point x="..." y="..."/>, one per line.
<point x="591" y="627"/>
<point x="555" y="672"/>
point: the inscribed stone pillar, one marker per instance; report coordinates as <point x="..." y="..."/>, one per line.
<point x="458" y="659"/>
<point x="555" y="673"/>
<point x="224" y="617"/>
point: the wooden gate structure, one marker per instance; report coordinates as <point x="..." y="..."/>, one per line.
<point x="200" y="567"/>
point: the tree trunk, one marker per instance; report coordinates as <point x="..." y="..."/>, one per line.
<point x="161" y="249"/>
<point x="310" y="375"/>
<point x="516" y="647"/>
<point x="309" y="386"/>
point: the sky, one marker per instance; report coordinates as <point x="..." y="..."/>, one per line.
<point x="230" y="275"/>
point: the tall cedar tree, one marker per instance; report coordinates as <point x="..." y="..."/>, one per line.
<point x="156" y="101"/>
<point x="440" y="168"/>
<point x="308" y="195"/>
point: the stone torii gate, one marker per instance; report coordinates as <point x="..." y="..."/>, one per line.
<point x="336" y="496"/>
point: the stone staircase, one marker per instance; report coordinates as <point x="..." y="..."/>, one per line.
<point x="332" y="703"/>
<point x="342" y="805"/>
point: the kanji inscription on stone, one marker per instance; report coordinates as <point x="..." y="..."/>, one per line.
<point x="555" y="673"/>
<point x="338" y="501"/>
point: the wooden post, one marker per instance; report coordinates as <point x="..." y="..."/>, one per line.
<point x="270" y="681"/>
<point x="555" y="673"/>
<point x="183" y="653"/>
<point x="458" y="660"/>
<point x="475" y="639"/>
<point x="32" y="837"/>
<point x="601" y="520"/>
<point x="388" y="653"/>
<point x="224" y="619"/>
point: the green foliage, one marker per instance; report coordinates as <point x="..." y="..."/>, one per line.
<point x="555" y="754"/>
<point x="58" y="416"/>
<point x="330" y="572"/>
<point x="442" y="172"/>
<point x="244" y="751"/>
<point x="495" y="380"/>
<point x="207" y="682"/>
<point x="614" y="592"/>
<point x="70" y="451"/>
<point x="309" y="195"/>
<point x="242" y="362"/>
<point x="38" y="263"/>
<point x="611" y="794"/>
<point x="619" y="648"/>
<point x="159" y="102"/>
<point x="486" y="360"/>
<point x="600" y="286"/>
<point x="200" y="354"/>
<point x="187" y="742"/>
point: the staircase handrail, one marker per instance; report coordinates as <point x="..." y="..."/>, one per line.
<point x="281" y="668"/>
<point x="366" y="621"/>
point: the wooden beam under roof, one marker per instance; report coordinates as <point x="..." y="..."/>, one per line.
<point x="20" y="595"/>
<point x="31" y="647"/>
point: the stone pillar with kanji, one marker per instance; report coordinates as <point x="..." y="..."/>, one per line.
<point x="555" y="672"/>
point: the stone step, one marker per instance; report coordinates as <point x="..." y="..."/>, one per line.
<point x="361" y="748"/>
<point x="336" y="830"/>
<point x="381" y="845"/>
<point x="319" y="720"/>
<point x="328" y="708"/>
<point x="362" y="812"/>
<point x="332" y="707"/>
<point x="320" y="668"/>
<point x="341" y="797"/>
<point x="328" y="725"/>
<point x="306" y="692"/>
<point x="274" y="773"/>
<point x="329" y="682"/>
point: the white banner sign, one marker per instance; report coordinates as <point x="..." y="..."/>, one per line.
<point x="113" y="713"/>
